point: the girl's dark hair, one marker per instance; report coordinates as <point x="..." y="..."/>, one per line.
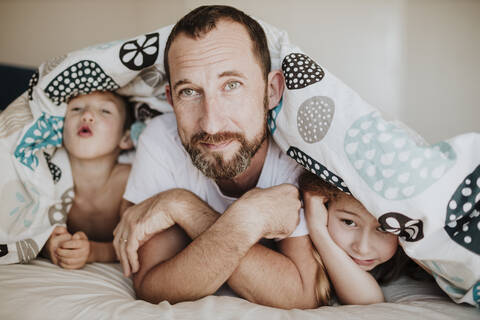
<point x="203" y="19"/>
<point x="390" y="270"/>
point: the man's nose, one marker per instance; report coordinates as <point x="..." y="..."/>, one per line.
<point x="213" y="118"/>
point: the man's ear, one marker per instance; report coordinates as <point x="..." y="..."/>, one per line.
<point x="126" y="142"/>
<point x="168" y="94"/>
<point x="276" y="85"/>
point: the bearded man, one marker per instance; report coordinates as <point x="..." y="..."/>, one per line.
<point x="208" y="184"/>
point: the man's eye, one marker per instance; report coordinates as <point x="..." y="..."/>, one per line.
<point x="349" y="222"/>
<point x="188" y="92"/>
<point x="232" y="85"/>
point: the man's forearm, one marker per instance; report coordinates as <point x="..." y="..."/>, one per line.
<point x="201" y="268"/>
<point x="263" y="275"/>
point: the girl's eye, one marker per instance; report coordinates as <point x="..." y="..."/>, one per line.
<point x="232" y="85"/>
<point x="188" y="92"/>
<point x="349" y="222"/>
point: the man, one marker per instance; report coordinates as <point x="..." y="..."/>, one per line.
<point x="221" y="88"/>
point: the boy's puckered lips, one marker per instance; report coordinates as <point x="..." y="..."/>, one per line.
<point x="85" y="131"/>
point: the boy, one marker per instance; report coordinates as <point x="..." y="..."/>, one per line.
<point x="96" y="130"/>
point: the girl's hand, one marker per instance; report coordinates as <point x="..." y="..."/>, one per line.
<point x="315" y="211"/>
<point x="73" y="254"/>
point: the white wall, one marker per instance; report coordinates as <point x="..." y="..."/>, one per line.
<point x="416" y="60"/>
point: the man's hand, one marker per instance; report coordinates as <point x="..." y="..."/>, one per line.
<point x="275" y="209"/>
<point x="315" y="211"/>
<point x="58" y="236"/>
<point x="137" y="225"/>
<point x="74" y="253"/>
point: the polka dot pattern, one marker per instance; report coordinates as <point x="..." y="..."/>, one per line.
<point x="80" y="78"/>
<point x="272" y="117"/>
<point x="57" y="214"/>
<point x="314" y="118"/>
<point x="300" y="71"/>
<point x="390" y="162"/>
<point x="31" y="84"/>
<point x="406" y="228"/>
<point x="462" y="221"/>
<point x="317" y="168"/>
<point x="140" y="53"/>
<point x="55" y="171"/>
<point x="3" y="250"/>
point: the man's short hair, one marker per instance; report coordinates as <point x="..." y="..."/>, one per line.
<point x="203" y="19"/>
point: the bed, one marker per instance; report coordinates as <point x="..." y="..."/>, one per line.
<point x="41" y="290"/>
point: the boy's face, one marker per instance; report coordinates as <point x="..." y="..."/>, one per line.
<point x="94" y="125"/>
<point x="358" y="233"/>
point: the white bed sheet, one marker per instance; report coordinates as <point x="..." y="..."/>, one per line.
<point x="41" y="290"/>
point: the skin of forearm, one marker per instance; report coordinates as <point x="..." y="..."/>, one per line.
<point x="101" y="252"/>
<point x="352" y="284"/>
<point x="201" y="268"/>
<point x="277" y="281"/>
<point x="270" y="267"/>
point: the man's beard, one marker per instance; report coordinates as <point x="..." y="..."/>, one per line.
<point x="219" y="168"/>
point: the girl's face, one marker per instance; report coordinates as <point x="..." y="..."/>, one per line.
<point x="358" y="233"/>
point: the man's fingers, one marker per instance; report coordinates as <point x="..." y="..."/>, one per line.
<point x="124" y="259"/>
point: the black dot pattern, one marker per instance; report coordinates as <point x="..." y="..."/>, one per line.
<point x="408" y="229"/>
<point x="3" y="250"/>
<point x="314" y="118"/>
<point x="144" y="112"/>
<point x="462" y="221"/>
<point x="81" y="78"/>
<point x="31" y="84"/>
<point x="317" y="168"/>
<point x="140" y="53"/>
<point x="300" y="71"/>
<point x="55" y="171"/>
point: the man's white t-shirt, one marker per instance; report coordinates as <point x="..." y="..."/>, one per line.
<point x="162" y="163"/>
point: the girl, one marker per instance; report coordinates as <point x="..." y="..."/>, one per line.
<point x="356" y="252"/>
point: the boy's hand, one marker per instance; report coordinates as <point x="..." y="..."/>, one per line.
<point x="315" y="211"/>
<point x="74" y="253"/>
<point x="58" y="236"/>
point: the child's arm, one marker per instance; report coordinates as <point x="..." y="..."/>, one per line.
<point x="352" y="284"/>
<point x="78" y="251"/>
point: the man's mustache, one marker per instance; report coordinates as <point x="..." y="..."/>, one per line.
<point x="203" y="137"/>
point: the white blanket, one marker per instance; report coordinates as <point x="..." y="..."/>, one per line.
<point x="41" y="290"/>
<point x="428" y="195"/>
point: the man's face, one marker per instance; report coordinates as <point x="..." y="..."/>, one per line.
<point x="219" y="98"/>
